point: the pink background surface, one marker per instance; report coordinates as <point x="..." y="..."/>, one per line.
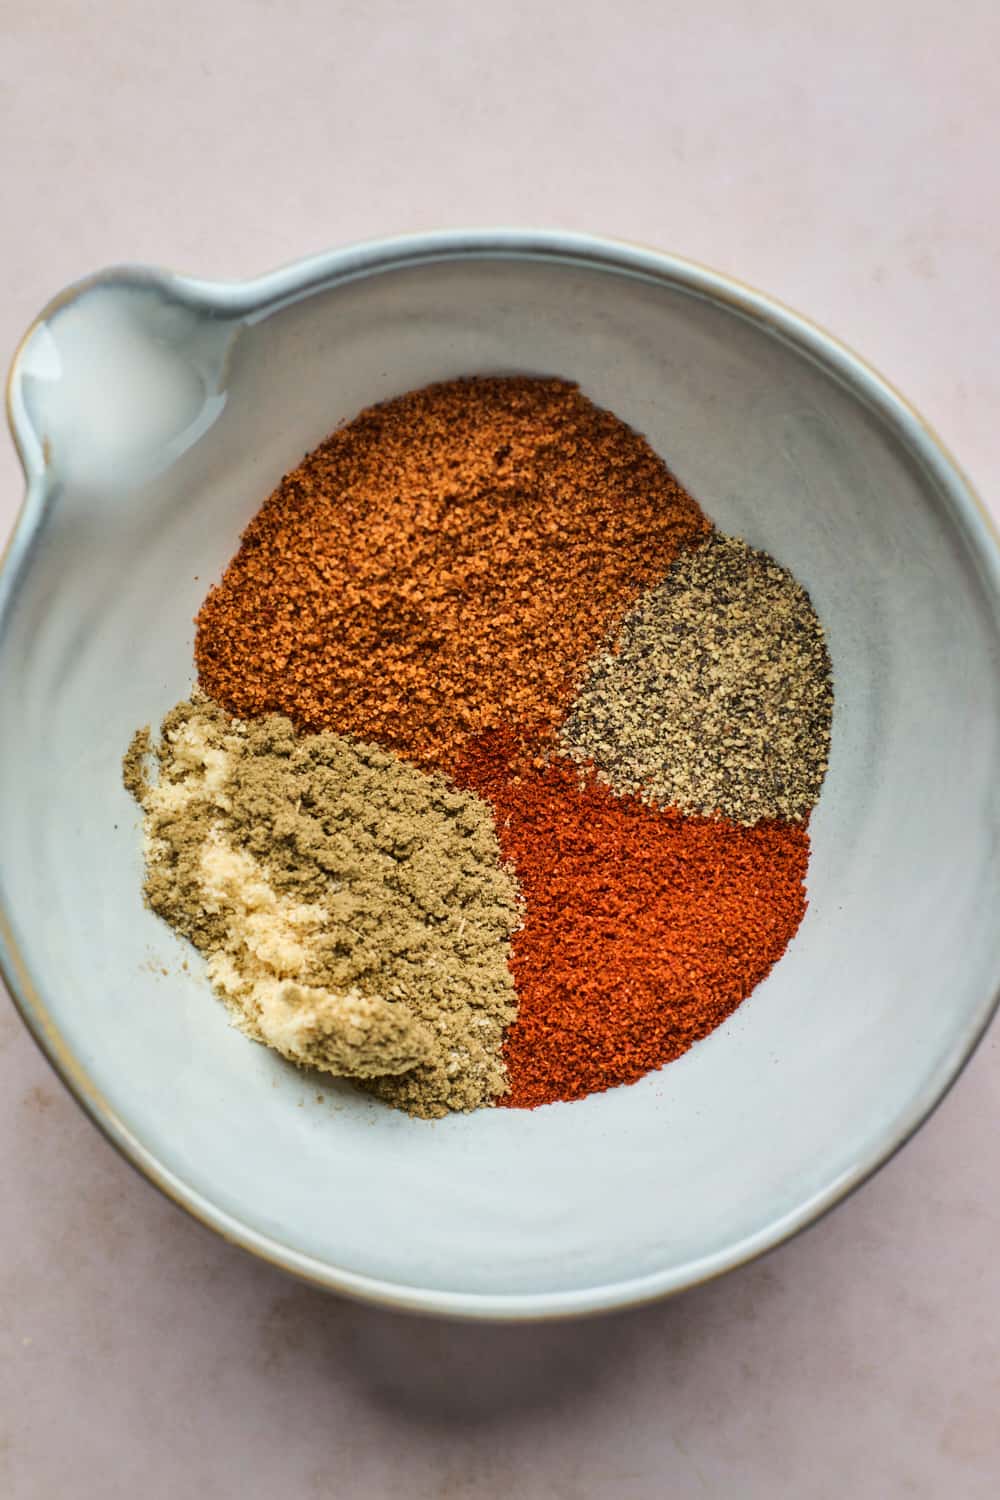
<point x="843" y="158"/>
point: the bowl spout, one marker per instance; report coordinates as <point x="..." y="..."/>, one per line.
<point x="117" y="378"/>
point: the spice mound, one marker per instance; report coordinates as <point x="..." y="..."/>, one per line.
<point x="443" y="565"/>
<point x="497" y="783"/>
<point x="355" y="911"/>
<point x="715" y="695"/>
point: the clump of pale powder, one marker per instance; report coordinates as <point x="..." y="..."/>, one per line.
<point x="355" y="912"/>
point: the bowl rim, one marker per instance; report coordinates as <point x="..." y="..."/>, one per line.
<point x="264" y="294"/>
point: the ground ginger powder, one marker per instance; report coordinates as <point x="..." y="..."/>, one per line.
<point x="355" y="912"/>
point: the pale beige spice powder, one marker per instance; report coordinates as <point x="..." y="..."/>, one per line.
<point x="354" y="911"/>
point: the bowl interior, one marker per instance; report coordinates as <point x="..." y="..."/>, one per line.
<point x="157" y="456"/>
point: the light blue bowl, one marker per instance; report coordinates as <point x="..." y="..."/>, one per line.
<point x="153" y="413"/>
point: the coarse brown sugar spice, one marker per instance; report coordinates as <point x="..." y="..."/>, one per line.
<point x="443" y="565"/>
<point x="354" y="911"/>
<point x="716" y="695"/>
<point x="644" y="928"/>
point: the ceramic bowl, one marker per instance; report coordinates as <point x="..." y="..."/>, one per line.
<point x="153" y="413"/>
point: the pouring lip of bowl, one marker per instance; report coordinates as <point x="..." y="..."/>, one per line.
<point x="253" y="299"/>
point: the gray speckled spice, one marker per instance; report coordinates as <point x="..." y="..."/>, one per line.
<point x="716" y="696"/>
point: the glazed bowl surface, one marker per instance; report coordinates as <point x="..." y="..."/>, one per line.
<point x="153" y="413"/>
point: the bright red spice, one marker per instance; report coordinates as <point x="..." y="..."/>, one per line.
<point x="644" y="929"/>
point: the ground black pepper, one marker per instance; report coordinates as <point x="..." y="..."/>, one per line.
<point x="715" y="696"/>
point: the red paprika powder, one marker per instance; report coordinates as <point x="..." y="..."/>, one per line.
<point x="644" y="928"/>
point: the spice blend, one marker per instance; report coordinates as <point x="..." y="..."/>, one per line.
<point x="497" y="785"/>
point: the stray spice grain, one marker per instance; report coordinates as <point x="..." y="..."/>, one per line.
<point x="443" y="565"/>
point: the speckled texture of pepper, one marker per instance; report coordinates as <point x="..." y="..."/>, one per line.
<point x="716" y="695"/>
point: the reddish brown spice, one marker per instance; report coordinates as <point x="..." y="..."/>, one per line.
<point x="443" y="565"/>
<point x="644" y="929"/>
